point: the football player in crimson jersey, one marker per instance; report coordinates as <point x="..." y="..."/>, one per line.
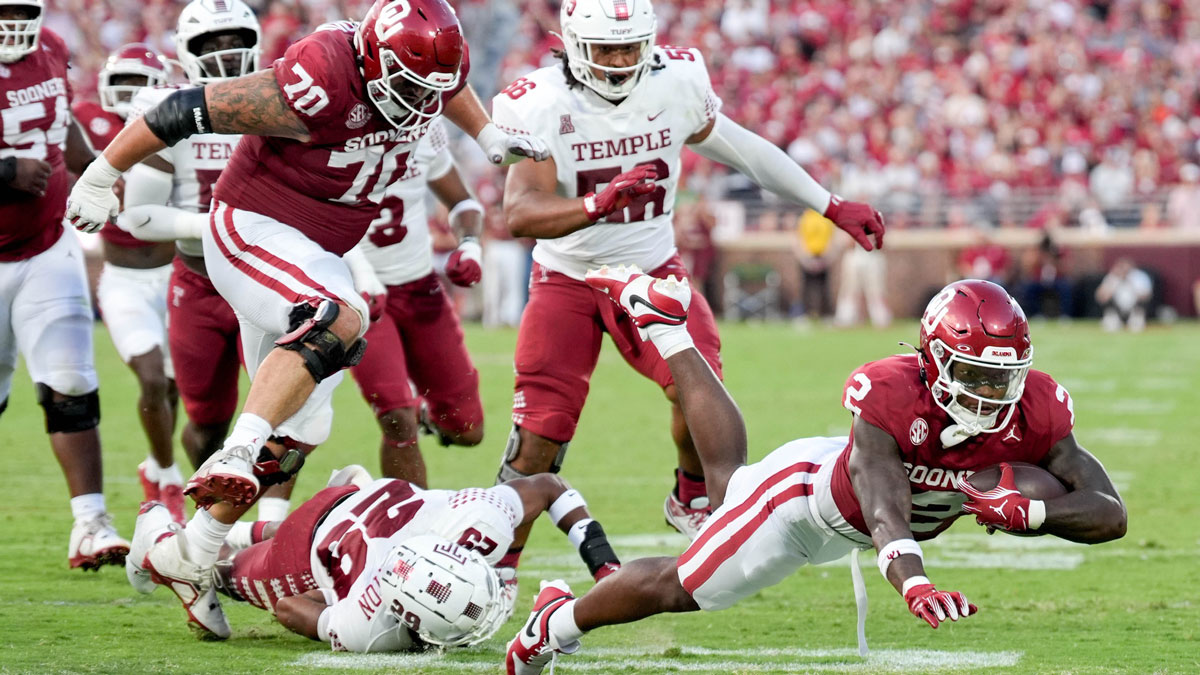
<point x="616" y="116"/>
<point x="329" y="570"/>
<point x="164" y="195"/>
<point x="326" y="129"/>
<point x="417" y="335"/>
<point x="922" y="423"/>
<point x="45" y="309"/>
<point x="133" y="286"/>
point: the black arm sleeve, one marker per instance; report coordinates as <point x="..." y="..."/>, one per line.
<point x="8" y="171"/>
<point x="180" y="115"/>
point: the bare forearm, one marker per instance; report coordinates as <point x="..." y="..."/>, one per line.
<point x="300" y="613"/>
<point x="466" y="112"/>
<point x="79" y="151"/>
<point x="1085" y="516"/>
<point x="135" y="143"/>
<point x="544" y="215"/>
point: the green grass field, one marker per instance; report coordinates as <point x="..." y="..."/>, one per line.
<point x="1045" y="605"/>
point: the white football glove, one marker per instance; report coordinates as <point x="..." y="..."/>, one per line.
<point x="92" y="203"/>
<point x="503" y="148"/>
<point x="366" y="282"/>
<point x="153" y="222"/>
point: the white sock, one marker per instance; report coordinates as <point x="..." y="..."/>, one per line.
<point x="151" y="469"/>
<point x="273" y="508"/>
<point x="563" y="630"/>
<point x="251" y="430"/>
<point x="669" y="340"/>
<point x="170" y="475"/>
<point x="87" y="507"/>
<point x="205" y="535"/>
<point x="240" y="535"/>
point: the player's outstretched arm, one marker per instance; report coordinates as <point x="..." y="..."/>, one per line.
<point x="881" y="485"/>
<point x="1092" y="512"/>
<point x="302" y="613"/>
<point x="550" y="494"/>
<point x="727" y="142"/>
<point x="466" y="112"/>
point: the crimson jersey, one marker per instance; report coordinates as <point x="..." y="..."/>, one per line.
<point x="891" y="394"/>
<point x="35" y="98"/>
<point x="102" y="127"/>
<point x="329" y="188"/>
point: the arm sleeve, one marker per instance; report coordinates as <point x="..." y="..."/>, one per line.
<point x="147" y="185"/>
<point x="768" y="166"/>
<point x="437" y="146"/>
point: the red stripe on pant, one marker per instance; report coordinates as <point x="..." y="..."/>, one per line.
<point x="249" y="270"/>
<point x="723" y="552"/>
<point x="736" y="512"/>
<point x="271" y="259"/>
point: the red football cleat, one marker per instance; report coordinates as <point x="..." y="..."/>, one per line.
<point x="645" y="299"/>
<point x="534" y="647"/>
<point x="149" y="487"/>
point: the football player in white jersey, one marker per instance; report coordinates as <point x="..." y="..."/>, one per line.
<point x="356" y="565"/>
<point x="167" y="199"/>
<point x="616" y="115"/>
<point x="417" y="336"/>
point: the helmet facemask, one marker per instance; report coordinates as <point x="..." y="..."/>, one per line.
<point x="613" y="83"/>
<point x="405" y="99"/>
<point x="19" y="37"/>
<point x="220" y="64"/>
<point x="974" y="390"/>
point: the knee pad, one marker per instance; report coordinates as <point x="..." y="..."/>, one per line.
<point x="272" y="470"/>
<point x="322" y="350"/>
<point x="72" y="414"/>
<point x="513" y="448"/>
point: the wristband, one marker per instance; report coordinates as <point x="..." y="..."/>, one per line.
<point x="910" y="582"/>
<point x="895" y="549"/>
<point x="8" y="170"/>
<point x="566" y="503"/>
<point x="100" y="173"/>
<point x="466" y="205"/>
<point x="1037" y="514"/>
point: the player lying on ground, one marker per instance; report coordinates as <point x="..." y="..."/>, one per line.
<point x="336" y="569"/>
<point x="922" y="424"/>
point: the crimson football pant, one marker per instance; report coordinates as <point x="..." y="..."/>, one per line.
<point x="559" y="343"/>
<point x="203" y="336"/>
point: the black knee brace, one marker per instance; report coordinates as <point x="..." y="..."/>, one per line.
<point x="74" y="413"/>
<point x="3" y="405"/>
<point x="322" y="350"/>
<point x="272" y="470"/>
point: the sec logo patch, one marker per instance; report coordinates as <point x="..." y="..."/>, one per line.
<point x="359" y="115"/>
<point x="919" y="431"/>
<point x="100" y="126"/>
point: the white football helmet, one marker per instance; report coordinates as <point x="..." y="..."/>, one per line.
<point x="447" y="594"/>
<point x="589" y="23"/>
<point x="138" y="60"/>
<point x="201" y="18"/>
<point x="19" y="37"/>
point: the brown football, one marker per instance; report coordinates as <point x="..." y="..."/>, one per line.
<point x="1033" y="481"/>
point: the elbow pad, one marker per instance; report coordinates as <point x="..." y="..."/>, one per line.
<point x="179" y="115"/>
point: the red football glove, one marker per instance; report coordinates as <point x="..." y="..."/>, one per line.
<point x="637" y="181"/>
<point x="463" y="267"/>
<point x="927" y="602"/>
<point x="1001" y="507"/>
<point x="858" y="219"/>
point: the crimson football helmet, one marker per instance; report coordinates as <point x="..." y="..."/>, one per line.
<point x="136" y="60"/>
<point x="447" y="594"/>
<point x="975" y="346"/>
<point x="410" y="53"/>
<point x="19" y="37"/>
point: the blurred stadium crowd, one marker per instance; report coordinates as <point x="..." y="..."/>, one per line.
<point x="944" y="113"/>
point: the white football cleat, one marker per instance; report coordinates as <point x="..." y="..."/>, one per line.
<point x="228" y="475"/>
<point x="688" y="519"/>
<point x="353" y="474"/>
<point x="533" y="648"/>
<point x="644" y="298"/>
<point x="95" y="543"/>
<point x="509" y="591"/>
<point x="154" y="522"/>
<point x="169" y="565"/>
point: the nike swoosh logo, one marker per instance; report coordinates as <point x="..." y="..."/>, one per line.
<point x="537" y="616"/>
<point x="635" y="300"/>
<point x="651" y="118"/>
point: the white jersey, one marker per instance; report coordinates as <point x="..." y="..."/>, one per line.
<point x="198" y="161"/>
<point x="398" y="244"/>
<point x="358" y="534"/>
<point x="592" y="141"/>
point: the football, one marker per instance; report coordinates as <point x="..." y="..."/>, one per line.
<point x="1033" y="481"/>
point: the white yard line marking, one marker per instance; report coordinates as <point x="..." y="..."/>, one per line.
<point x="1121" y="436"/>
<point x="603" y="660"/>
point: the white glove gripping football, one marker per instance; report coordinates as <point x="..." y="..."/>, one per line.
<point x="503" y="148"/>
<point x="154" y="222"/>
<point x="92" y="203"/>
